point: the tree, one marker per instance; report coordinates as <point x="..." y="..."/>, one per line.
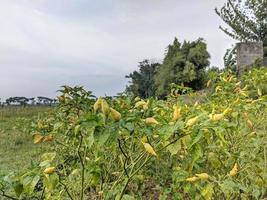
<point x="142" y="81"/>
<point x="230" y="59"/>
<point x="183" y="64"/>
<point x="247" y="20"/>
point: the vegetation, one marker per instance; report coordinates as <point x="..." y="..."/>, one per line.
<point x="247" y="20"/>
<point x="178" y="148"/>
<point x="143" y="81"/>
<point x="183" y="64"/>
<point x="16" y="147"/>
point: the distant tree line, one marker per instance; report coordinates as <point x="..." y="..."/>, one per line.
<point x="23" y="101"/>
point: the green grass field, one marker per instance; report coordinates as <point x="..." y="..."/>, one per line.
<point x="17" y="150"/>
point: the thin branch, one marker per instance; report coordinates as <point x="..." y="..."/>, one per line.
<point x="83" y="168"/>
<point x="42" y="196"/>
<point x="126" y="158"/>
<point x="7" y="196"/>
<point x="66" y="189"/>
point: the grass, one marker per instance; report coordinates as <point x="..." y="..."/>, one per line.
<point x="17" y="150"/>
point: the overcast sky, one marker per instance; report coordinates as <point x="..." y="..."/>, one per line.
<point x="48" y="43"/>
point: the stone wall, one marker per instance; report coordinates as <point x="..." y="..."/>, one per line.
<point x="247" y="54"/>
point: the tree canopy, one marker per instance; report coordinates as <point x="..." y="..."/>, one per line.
<point x="247" y="20"/>
<point x="183" y="64"/>
<point x="142" y="81"/>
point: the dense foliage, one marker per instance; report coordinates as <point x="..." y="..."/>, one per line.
<point x="142" y="82"/>
<point x="184" y="63"/>
<point x="198" y="146"/>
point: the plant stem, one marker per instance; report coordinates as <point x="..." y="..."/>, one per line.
<point x="126" y="158"/>
<point x="83" y="168"/>
<point x="42" y="196"/>
<point x="124" y="188"/>
<point x="66" y="189"/>
<point x="7" y="196"/>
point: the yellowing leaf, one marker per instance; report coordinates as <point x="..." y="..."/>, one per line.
<point x="191" y="121"/>
<point x="149" y="148"/>
<point x="145" y="107"/>
<point x="205" y="130"/>
<point x="250" y="124"/>
<point x="238" y="83"/>
<point x="259" y="92"/>
<point x="243" y="94"/>
<point x="227" y="110"/>
<point x="105" y="107"/>
<point x="192" y="179"/>
<point x="216" y="117"/>
<point x="244" y="88"/>
<point x="218" y="88"/>
<point x="48" y="138"/>
<point x="236" y="101"/>
<point x="137" y="99"/>
<point x="115" y="115"/>
<point x="176" y="113"/>
<point x="230" y="78"/>
<point x="234" y="170"/>
<point x="49" y="170"/>
<point x="144" y="139"/>
<point x="151" y="120"/>
<point x="208" y="83"/>
<point x="203" y="176"/>
<point x="37" y="138"/>
<point x="140" y="103"/>
<point x="97" y="104"/>
<point x="207" y="192"/>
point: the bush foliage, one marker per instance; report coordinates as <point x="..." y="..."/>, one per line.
<point x="124" y="148"/>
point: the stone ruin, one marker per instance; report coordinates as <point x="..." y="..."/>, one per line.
<point x="249" y="53"/>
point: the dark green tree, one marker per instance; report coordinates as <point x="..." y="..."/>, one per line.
<point x="142" y="81"/>
<point x="247" y="20"/>
<point x="183" y="64"/>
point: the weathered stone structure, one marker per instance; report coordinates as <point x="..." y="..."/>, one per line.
<point x="247" y="54"/>
<point x="264" y="61"/>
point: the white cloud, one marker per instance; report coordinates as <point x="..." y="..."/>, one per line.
<point x="59" y="42"/>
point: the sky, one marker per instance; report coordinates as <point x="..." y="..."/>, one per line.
<point x="45" y="44"/>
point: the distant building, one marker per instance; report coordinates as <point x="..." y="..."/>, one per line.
<point x="249" y="53"/>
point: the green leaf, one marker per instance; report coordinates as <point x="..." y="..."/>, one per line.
<point x="49" y="156"/>
<point x="90" y="140"/>
<point x="174" y="148"/>
<point x="207" y="192"/>
<point x="179" y="175"/>
<point x="101" y="136"/>
<point x="18" y="188"/>
<point x="126" y="197"/>
<point x="51" y="181"/>
<point x="166" y="132"/>
<point x="45" y="163"/>
<point x="29" y="183"/>
<point x="77" y="129"/>
<point x="196" y="136"/>
<point x="213" y="160"/>
<point x="196" y="154"/>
